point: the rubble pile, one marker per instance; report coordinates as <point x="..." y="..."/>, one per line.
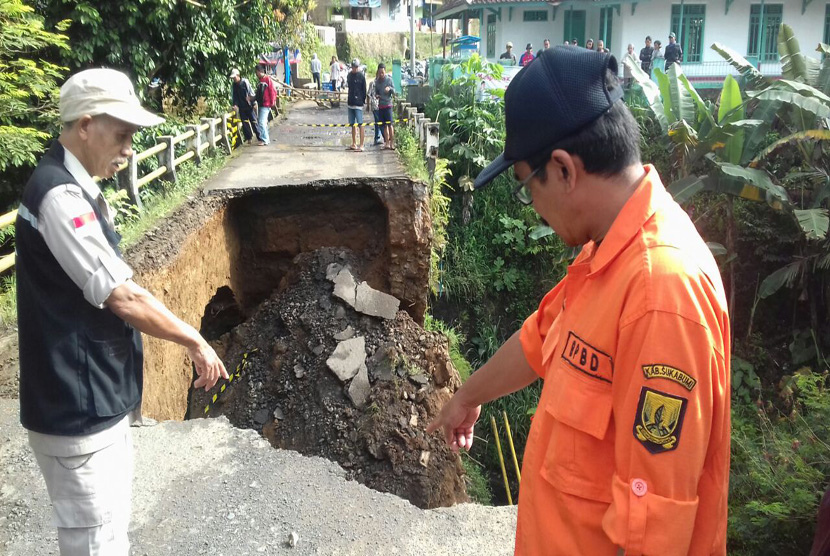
<point x="330" y="366"/>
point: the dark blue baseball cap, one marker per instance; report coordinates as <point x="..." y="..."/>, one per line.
<point x="558" y="94"/>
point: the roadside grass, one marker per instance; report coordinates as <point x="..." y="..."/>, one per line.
<point x="160" y="200"/>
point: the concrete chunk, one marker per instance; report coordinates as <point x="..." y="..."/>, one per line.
<point x="332" y="271"/>
<point x="345" y="334"/>
<point x="370" y="301"/>
<point x="344" y="286"/>
<point x="359" y="388"/>
<point x="348" y="357"/>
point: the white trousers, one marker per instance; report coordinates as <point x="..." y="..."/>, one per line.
<point x="91" y="496"/>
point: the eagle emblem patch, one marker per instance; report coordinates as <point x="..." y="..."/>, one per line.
<point x="659" y="420"/>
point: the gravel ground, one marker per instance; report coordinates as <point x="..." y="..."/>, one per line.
<point x="204" y="487"/>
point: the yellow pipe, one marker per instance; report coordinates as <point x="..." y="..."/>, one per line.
<point x="512" y="449"/>
<point x="501" y="460"/>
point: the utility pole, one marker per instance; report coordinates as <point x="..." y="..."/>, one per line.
<point x="412" y="37"/>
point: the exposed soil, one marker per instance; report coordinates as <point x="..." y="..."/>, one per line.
<point x="286" y="391"/>
<point x="9" y="365"/>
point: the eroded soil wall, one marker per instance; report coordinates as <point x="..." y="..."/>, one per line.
<point x="247" y="240"/>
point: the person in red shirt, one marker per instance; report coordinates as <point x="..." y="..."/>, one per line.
<point x="630" y="446"/>
<point x="527" y="57"/>
<point x="266" y="95"/>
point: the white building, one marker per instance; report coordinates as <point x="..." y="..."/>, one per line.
<point x="749" y="27"/>
<point x="371" y="16"/>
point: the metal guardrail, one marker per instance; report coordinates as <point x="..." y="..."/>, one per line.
<point x="198" y="138"/>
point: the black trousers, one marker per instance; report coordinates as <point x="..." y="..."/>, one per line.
<point x="316" y="77"/>
<point x="249" y="127"/>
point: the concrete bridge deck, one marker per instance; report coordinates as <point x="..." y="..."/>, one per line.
<point x="300" y="154"/>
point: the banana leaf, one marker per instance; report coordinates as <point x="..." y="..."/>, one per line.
<point x="704" y="116"/>
<point x="778" y="279"/>
<point x="814" y="222"/>
<point x="812" y="105"/>
<point x="809" y="135"/>
<point x="751" y="184"/>
<point x="793" y="62"/>
<point x="802" y="88"/>
<point x="651" y="92"/>
<point x="665" y="93"/>
<point x="683" y="104"/>
<point x="823" y="81"/>
<point x="684" y="189"/>
<point x="766" y="112"/>
<point x="754" y="78"/>
<point x="731" y="109"/>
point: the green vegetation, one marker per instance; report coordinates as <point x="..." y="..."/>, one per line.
<point x="28" y="90"/>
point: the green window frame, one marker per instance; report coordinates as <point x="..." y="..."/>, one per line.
<point x="827" y="24"/>
<point x="688" y="22"/>
<point x="491" y="35"/>
<point x="535" y="15"/>
<point x="606" y="25"/>
<point x="764" y="23"/>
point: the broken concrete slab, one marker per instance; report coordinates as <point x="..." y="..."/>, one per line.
<point x="348" y="357"/>
<point x="332" y="271"/>
<point x="345" y="286"/>
<point x="345" y="334"/>
<point x="370" y="301"/>
<point x="359" y="387"/>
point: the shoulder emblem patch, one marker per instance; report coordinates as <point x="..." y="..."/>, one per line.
<point x="659" y="420"/>
<point x="670" y="373"/>
<point x="584" y="357"/>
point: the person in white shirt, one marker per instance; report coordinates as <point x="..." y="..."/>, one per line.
<point x="316" y="68"/>
<point x="335" y="73"/>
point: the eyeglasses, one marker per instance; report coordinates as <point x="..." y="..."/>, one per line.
<point x="521" y="192"/>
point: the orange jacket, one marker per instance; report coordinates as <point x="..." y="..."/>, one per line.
<point x="630" y="444"/>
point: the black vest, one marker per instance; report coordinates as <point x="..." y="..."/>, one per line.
<point x="80" y="366"/>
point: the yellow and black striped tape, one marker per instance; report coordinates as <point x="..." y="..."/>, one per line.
<point x="364" y="124"/>
<point x="235" y="375"/>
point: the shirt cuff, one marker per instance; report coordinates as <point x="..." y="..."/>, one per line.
<point x="112" y="273"/>
<point x="643" y="522"/>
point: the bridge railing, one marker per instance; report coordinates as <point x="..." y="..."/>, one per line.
<point x="210" y="134"/>
<point x="424" y="129"/>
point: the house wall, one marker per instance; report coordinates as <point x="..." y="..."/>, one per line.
<point x="653" y="17"/>
<point x="732" y="29"/>
<point x="382" y="21"/>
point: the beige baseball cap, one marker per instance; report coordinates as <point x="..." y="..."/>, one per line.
<point x="103" y="91"/>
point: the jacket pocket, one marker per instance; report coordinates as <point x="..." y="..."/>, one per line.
<point x="579" y="459"/>
<point x="113" y="381"/>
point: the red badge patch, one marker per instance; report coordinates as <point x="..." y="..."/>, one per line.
<point x="79" y="221"/>
<point x="584" y="357"/>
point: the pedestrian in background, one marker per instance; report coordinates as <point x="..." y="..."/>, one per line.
<point x="508" y="54"/>
<point x="601" y="47"/>
<point x="244" y="102"/>
<point x="528" y="56"/>
<point x="645" y="56"/>
<point x="629" y="450"/>
<point x="574" y="42"/>
<point x="80" y="318"/>
<point x="589" y="44"/>
<point x="545" y="46"/>
<point x="374" y="107"/>
<point x="674" y="54"/>
<point x="385" y="90"/>
<point x="657" y="58"/>
<point x="316" y="68"/>
<point x="628" y="62"/>
<point x="334" y="68"/>
<point x="266" y="97"/>
<point x="356" y="99"/>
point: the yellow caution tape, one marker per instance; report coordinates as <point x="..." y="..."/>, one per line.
<point x="364" y="124"/>
<point x="239" y="369"/>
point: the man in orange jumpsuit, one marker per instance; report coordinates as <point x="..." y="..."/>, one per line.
<point x="629" y="450"/>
